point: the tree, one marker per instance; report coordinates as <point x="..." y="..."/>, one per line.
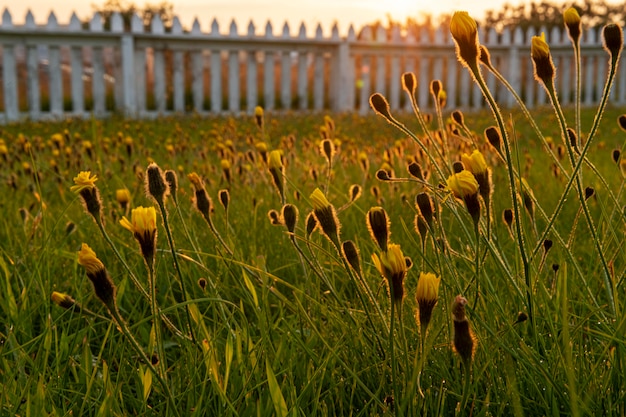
<point x="164" y="10"/>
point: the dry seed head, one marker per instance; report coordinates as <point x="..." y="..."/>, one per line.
<point x="351" y="254"/>
<point x="507" y="216"/>
<point x="354" y="192"/>
<point x="224" y="197"/>
<point x="435" y="88"/>
<point x="493" y="137"/>
<point x="274" y="217"/>
<point x="613" y="39"/>
<point x="409" y="83"/>
<point x="457" y="166"/>
<point x="155" y="183"/>
<point x="547" y="245"/>
<point x="421" y="227"/>
<point x="290" y="217"/>
<point x="380" y="105"/>
<point x="621" y="121"/>
<point x="573" y="139"/>
<point x="425" y="206"/>
<point x="464" y="341"/>
<point x="172" y="182"/>
<point x="415" y="169"/>
<point x="311" y="224"/>
<point x="382" y="175"/>
<point x="328" y="149"/>
<point x="458" y="118"/>
<point x="378" y="226"/>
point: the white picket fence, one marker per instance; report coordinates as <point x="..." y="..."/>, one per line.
<point x="55" y="71"/>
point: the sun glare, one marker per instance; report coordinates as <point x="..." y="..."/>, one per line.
<point x="402" y="9"/>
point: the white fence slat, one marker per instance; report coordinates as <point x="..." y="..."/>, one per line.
<point x="160" y="97"/>
<point x="318" y="74"/>
<point x="97" y="62"/>
<point x="589" y="75"/>
<point x="139" y="67"/>
<point x="252" y="74"/>
<point x="394" y="71"/>
<point x="55" y="82"/>
<point x="303" y="79"/>
<point x="178" y="71"/>
<point x="365" y="76"/>
<point x="304" y="71"/>
<point x="32" y="68"/>
<point x="9" y="74"/>
<point x="117" y="26"/>
<point x="197" y="71"/>
<point x="285" y="73"/>
<point x="216" y="72"/>
<point x="76" y="65"/>
<point x="233" y="74"/>
<point x="269" y="91"/>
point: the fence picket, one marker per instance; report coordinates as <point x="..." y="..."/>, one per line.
<point x="89" y="65"/>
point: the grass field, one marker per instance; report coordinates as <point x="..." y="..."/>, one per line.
<point x="236" y="315"/>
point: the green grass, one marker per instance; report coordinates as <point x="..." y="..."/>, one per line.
<point x="277" y="335"/>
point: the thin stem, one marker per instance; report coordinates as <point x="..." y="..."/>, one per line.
<point x="181" y="281"/>
<point x="134" y="279"/>
<point x="473" y="67"/>
<point x="156" y="317"/>
<point x="140" y="352"/>
<point x="549" y="86"/>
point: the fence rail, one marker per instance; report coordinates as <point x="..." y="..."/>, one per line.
<point x="54" y="71"/>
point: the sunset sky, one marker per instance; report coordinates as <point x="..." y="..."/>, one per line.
<point x="311" y="12"/>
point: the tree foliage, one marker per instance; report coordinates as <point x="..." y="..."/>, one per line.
<point x="548" y="14"/>
<point x="164" y="9"/>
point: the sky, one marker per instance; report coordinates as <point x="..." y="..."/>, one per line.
<point x="311" y="12"/>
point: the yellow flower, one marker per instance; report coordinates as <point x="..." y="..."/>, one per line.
<point x="225" y="164"/>
<point x="462" y="184"/>
<point x="427" y="288"/>
<point x="195" y="180"/>
<point x="319" y="200"/>
<point x="83" y="181"/>
<point x="465" y="33"/>
<point x="392" y="266"/>
<point x="474" y="163"/>
<point x="275" y="159"/>
<point x="426" y="295"/>
<point x="143" y="221"/>
<point x="571" y="17"/>
<point x="540" y="54"/>
<point x="261" y="146"/>
<point x="143" y="227"/>
<point x="258" y="111"/>
<point x="62" y="300"/>
<point x="539" y="47"/>
<point x="87" y="258"/>
<point x="122" y="196"/>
